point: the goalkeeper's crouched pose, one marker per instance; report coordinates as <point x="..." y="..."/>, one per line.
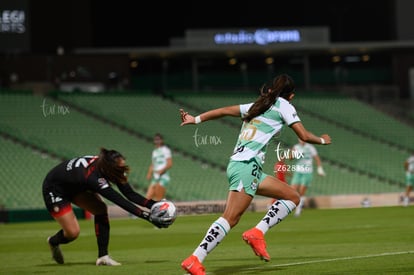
<point x="81" y="181"/>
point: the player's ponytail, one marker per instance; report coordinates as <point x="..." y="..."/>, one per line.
<point x="108" y="165"/>
<point x="282" y="86"/>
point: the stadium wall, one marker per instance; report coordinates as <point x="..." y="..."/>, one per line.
<point x="261" y="204"/>
<point x="209" y="207"/>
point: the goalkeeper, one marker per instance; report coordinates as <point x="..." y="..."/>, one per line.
<point x="82" y="181"/>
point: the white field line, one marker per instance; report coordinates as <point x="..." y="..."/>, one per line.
<point x="343" y="259"/>
<point x="332" y="260"/>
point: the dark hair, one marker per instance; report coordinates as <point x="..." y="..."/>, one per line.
<point x="282" y="86"/>
<point x="107" y="164"/>
<point x="159" y="136"/>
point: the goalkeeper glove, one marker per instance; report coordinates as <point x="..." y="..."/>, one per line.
<point x="156" y="219"/>
<point x="160" y="219"/>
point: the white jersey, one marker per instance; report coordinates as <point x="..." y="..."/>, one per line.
<point x="304" y="155"/>
<point x="256" y="134"/>
<point x="410" y="168"/>
<point x="159" y="157"/>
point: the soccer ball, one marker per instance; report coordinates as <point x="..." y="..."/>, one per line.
<point x="165" y="205"/>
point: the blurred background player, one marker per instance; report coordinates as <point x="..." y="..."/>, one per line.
<point x="158" y="171"/>
<point x="282" y="172"/>
<point x="304" y="155"/>
<point x="409" y="178"/>
<point x="81" y="181"/>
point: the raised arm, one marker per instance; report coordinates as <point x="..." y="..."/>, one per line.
<point x="186" y="118"/>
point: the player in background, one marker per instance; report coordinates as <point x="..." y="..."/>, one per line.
<point x="262" y="120"/>
<point x="158" y="171"/>
<point x="304" y="155"/>
<point x="82" y="181"/>
<point x="282" y="172"/>
<point x="409" y="179"/>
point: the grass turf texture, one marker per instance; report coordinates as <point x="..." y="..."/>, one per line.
<point x="339" y="241"/>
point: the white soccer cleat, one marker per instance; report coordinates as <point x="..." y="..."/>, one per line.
<point x="106" y="260"/>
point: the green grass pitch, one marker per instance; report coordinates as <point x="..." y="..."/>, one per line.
<point x="376" y="240"/>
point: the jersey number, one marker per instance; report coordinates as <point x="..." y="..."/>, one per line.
<point x="248" y="132"/>
<point x="257" y="171"/>
<point x="85" y="161"/>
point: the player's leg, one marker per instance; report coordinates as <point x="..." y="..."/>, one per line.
<point x="295" y="181"/>
<point x="150" y="191"/>
<point x="160" y="191"/>
<point x="302" y="191"/>
<point x="408" y="190"/>
<point x="61" y="210"/>
<point x="239" y="198"/>
<point x="287" y="199"/>
<point x="161" y="187"/>
<point x="301" y="182"/>
<point x="93" y="203"/>
<point x="69" y="232"/>
<point x="236" y="204"/>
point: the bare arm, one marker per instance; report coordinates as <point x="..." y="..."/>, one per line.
<point x="320" y="170"/>
<point x="186" y="118"/>
<point x="307" y="136"/>
<point x="317" y="160"/>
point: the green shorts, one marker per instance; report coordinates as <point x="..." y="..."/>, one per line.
<point x="163" y="180"/>
<point x="302" y="179"/>
<point x="409" y="179"/>
<point x="245" y="175"/>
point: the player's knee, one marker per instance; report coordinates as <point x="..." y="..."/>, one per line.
<point x="72" y="233"/>
<point x="294" y="196"/>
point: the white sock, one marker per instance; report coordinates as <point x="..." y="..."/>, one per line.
<point x="276" y="213"/>
<point x="215" y="234"/>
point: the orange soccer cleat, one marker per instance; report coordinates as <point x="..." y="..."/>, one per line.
<point x="255" y="238"/>
<point x="193" y="266"/>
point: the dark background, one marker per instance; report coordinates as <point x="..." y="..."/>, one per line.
<point x="117" y="34"/>
<point x="94" y="23"/>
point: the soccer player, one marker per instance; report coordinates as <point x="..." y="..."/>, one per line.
<point x="158" y="171"/>
<point x="409" y="178"/>
<point x="81" y="181"/>
<point x="262" y="119"/>
<point x="305" y="155"/>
